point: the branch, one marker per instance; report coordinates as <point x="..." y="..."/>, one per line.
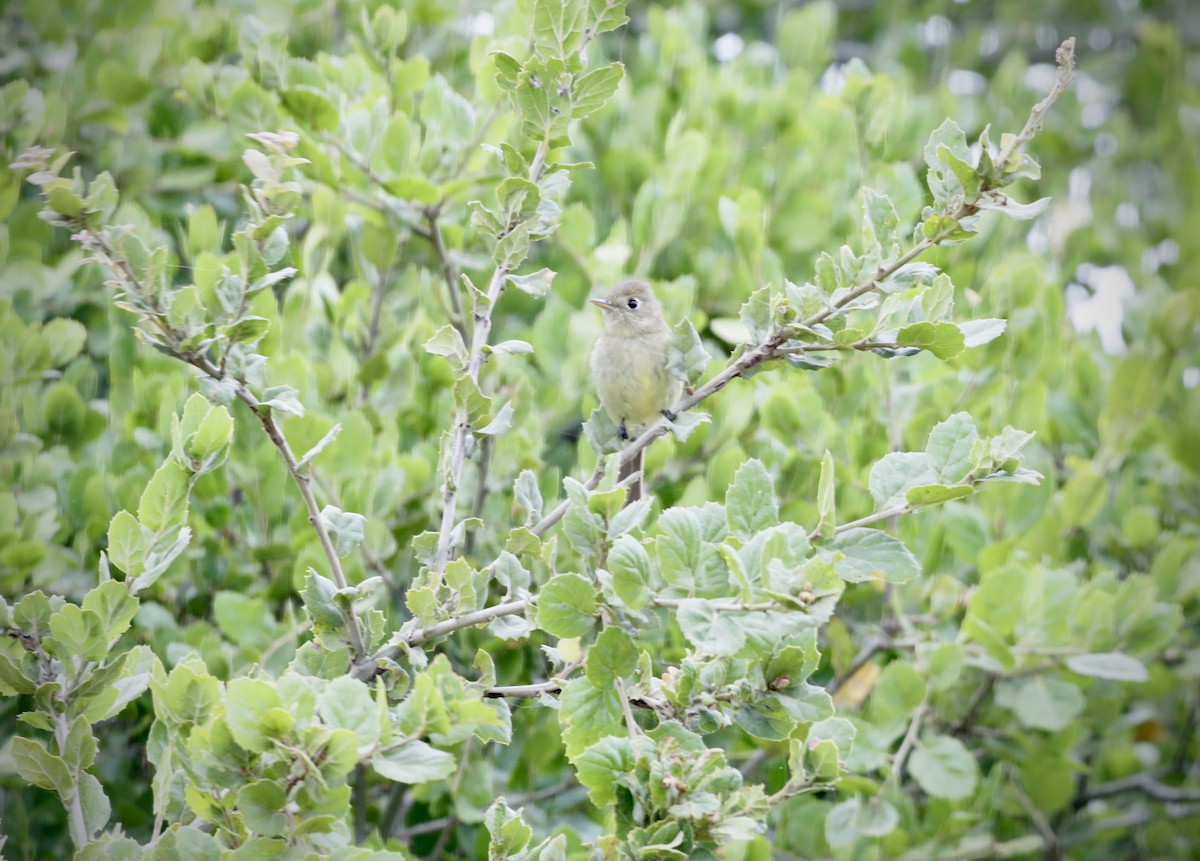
<point x="1064" y="57"/>
<point x="79" y="830"/>
<point x="458" y="317"/>
<point x="910" y="740"/>
<point x="462" y="425"/>
<point x="303" y="483"/>
<point x="873" y="647"/>
<point x="1147" y="784"/>
<point x="265" y="417"/>
<point x="773" y="348"/>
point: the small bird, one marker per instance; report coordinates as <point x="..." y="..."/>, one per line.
<point x="629" y="366"/>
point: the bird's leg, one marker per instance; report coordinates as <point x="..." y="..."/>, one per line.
<point x="670" y="415"/>
<point x="624" y="433"/>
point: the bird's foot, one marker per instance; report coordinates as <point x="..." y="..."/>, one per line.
<point x="670" y="415"/>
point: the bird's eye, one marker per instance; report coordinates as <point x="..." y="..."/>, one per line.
<point x="632" y="303"/>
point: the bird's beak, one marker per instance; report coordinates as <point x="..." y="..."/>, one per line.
<point x="603" y="304"/>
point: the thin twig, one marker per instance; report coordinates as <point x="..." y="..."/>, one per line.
<point x="873" y="647"/>
<point x="976" y="702"/>
<point x="1147" y="784"/>
<point x="1054" y="847"/>
<point x="274" y="433"/>
<point x="909" y="741"/>
<point x="458" y="317"/>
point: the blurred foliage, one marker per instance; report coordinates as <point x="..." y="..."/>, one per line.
<point x="733" y="154"/>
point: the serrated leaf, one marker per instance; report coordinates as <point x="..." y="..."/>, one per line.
<point x="686" y="357"/>
<point x="566" y="605"/>
<point x="594" y="89"/>
<point x="750" y="501"/>
<point x="613" y="656"/>
<point x="949" y="446"/>
<point x="602" y="767"/>
<point x="447" y="342"/>
<point x="164" y="502"/>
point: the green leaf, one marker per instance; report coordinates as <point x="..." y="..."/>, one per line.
<point x="126" y="544"/>
<point x="1109" y="665"/>
<point x="881" y="222"/>
<point x="871" y="553"/>
<point x="113" y="604"/>
<point x="594" y="89"/>
<point x="213" y="435"/>
<point x="949" y="448"/>
<point x="944" y="340"/>
<point x="1047" y="702"/>
<point x="414" y="762"/>
<point x="979" y="332"/>
<point x="894" y="474"/>
<point x="750" y="502"/>
<point x="629" y="564"/>
<point x="536" y="284"/>
<point x="164" y="502"/>
<point x="528" y="495"/>
<point x="686" y="357"/>
<point x="899" y="690"/>
<point x="508" y="831"/>
<point x="447" y="342"/>
<point x="346" y="703"/>
<point x="567" y="605"/>
<point x="247" y="702"/>
<point x="345" y="528"/>
<point x="613" y="656"/>
<point x="558" y="26"/>
<point x="851" y="820"/>
<point x="602" y="766"/>
<point x="65" y="339"/>
<point x="587" y="714"/>
<point x="756" y="315"/>
<point x="688" y="564"/>
<point x="935" y="494"/>
<point x="261" y="804"/>
<point x="711" y="632"/>
<point x="96" y="807"/>
<point x="944" y="768"/>
<point x="37" y="765"/>
<point x="76" y="633"/>
<point x="826" y="497"/>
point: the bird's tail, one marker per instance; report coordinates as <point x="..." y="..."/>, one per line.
<point x="628" y="468"/>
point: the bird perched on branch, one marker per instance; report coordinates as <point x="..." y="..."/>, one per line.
<point x="629" y="366"/>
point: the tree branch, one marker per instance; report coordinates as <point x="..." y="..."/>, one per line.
<point x="462" y="426"/>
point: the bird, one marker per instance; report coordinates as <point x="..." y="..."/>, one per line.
<point x="629" y="366"/>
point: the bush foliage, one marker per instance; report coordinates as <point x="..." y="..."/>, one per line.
<point x="306" y="552"/>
